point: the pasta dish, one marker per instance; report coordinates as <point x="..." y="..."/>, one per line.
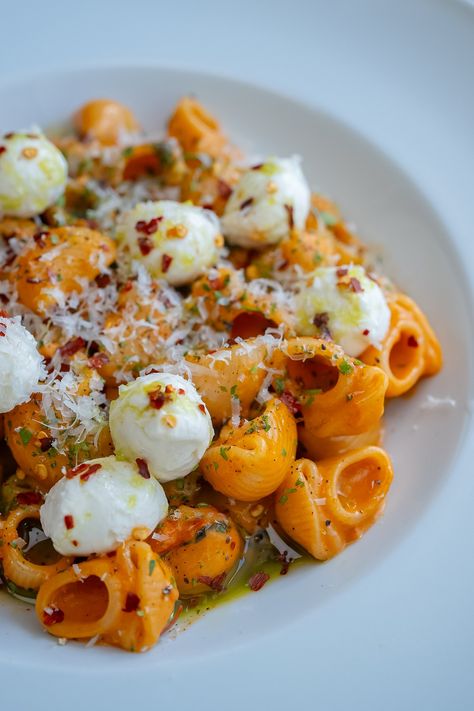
<point x="195" y="355"/>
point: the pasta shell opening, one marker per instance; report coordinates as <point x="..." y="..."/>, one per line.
<point x="358" y="485"/>
<point x="406" y="354"/>
<point x="82" y="602"/>
<point x="250" y="325"/>
<point x="313" y="374"/>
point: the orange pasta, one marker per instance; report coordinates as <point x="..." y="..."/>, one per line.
<point x="250" y="461"/>
<point x="195" y="128"/>
<point x="17" y="567"/>
<point x="202" y="557"/>
<point x="104" y="120"/>
<point x="126" y="599"/>
<point x="324" y="507"/>
<point x="410" y="349"/>
<point x="50" y="270"/>
<point x="229" y="374"/>
<point x="338" y="395"/>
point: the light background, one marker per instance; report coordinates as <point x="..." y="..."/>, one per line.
<point x="347" y="66"/>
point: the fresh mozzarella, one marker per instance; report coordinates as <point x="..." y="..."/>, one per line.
<point x="266" y="203"/>
<point x="98" y="505"/>
<point x="33" y="174"/>
<point x="345" y="304"/>
<point x="21" y="366"/>
<point x="161" y="419"/>
<point x="175" y="241"/>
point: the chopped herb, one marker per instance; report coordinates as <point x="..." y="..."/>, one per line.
<point x="283" y="452"/>
<point x="151" y="566"/>
<point x="266" y="424"/>
<point x="279" y="385"/>
<point x="328" y="219"/>
<point x="223" y="452"/>
<point x="345" y="367"/>
<point x="25" y="435"/>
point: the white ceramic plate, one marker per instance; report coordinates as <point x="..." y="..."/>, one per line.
<point x="306" y="636"/>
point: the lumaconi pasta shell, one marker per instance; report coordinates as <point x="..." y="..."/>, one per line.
<point x="323" y="447"/>
<point x="325" y="507"/>
<point x="104" y="120"/>
<point x="203" y="563"/>
<point x="88" y="597"/>
<point x="57" y="262"/>
<point x="127" y="599"/>
<point x="45" y="466"/>
<point x="250" y="461"/>
<point x="230" y="304"/>
<point x="229" y="374"/>
<point x="16" y="568"/>
<point x="340" y="396"/>
<point x="195" y="128"/>
<point x="409" y="351"/>
<point x="356" y="484"/>
<point x="298" y="514"/>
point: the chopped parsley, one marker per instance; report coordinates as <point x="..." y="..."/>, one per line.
<point x="25" y="435"/>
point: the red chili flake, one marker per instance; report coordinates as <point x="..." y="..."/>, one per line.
<point x="2" y="333"/>
<point x="145" y="245"/>
<point x="4" y="314"/>
<point x="291" y="217"/>
<point x="169" y="389"/>
<point x="29" y="498"/>
<point x="365" y="332"/>
<point x="232" y="545"/>
<point x="216" y="583"/>
<point x="285" y="562"/>
<point x="72" y="346"/>
<point x="69" y="522"/>
<point x="342" y="272"/>
<point x="257" y="166"/>
<point x="143" y="468"/>
<point x="148" y="228"/>
<point x="76" y="470"/>
<point x="166" y="263"/>
<point x="34" y="280"/>
<point x="355" y="285"/>
<point x="128" y="286"/>
<point x="202" y="408"/>
<point x="157" y="398"/>
<point x="103" y="280"/>
<point x="98" y="360"/>
<point x="246" y="203"/>
<point x="46" y="443"/>
<point x="412" y="342"/>
<point x="75" y="543"/>
<point x="223" y="188"/>
<point x="258" y="580"/>
<point x="39" y="238"/>
<point x="92" y="469"/>
<point x="2" y="149"/>
<point x="52" y="618"/>
<point x="291" y="402"/>
<point x="132" y="603"/>
<point x="181" y="391"/>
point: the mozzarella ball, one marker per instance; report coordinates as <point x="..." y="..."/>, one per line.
<point x="21" y="366"/>
<point x="175" y="241"/>
<point x="97" y="505"/>
<point x="266" y="203"/>
<point x="33" y="174"/>
<point x="161" y="418"/>
<point x="344" y="304"/>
